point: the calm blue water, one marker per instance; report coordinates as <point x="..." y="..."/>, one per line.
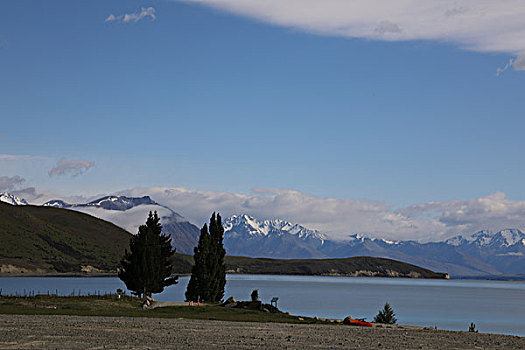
<point x="494" y="306"/>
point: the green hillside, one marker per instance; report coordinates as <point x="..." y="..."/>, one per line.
<point x="46" y="239"/>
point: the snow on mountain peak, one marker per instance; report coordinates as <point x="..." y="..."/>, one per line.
<point x="357" y="237"/>
<point x="57" y="203"/>
<point x="456" y="241"/>
<point x="249" y="224"/>
<point x="480" y="238"/>
<point x="508" y="237"/>
<point x="504" y="238"/>
<point x="10" y="199"/>
<point x="120" y="202"/>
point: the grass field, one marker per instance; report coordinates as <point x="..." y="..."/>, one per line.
<point x="131" y="307"/>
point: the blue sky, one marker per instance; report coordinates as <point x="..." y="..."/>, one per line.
<point x="230" y="97"/>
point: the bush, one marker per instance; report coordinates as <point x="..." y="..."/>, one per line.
<point x="386" y="315"/>
<point x="255" y="295"/>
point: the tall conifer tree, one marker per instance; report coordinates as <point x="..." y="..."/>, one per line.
<point x="208" y="274"/>
<point x="146" y="268"/>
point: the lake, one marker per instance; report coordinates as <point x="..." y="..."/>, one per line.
<point x="494" y="306"/>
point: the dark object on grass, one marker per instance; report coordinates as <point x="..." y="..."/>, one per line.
<point x="146" y="267"/>
<point x="208" y="274"/>
<point x="386" y="315"/>
<point x="252" y="305"/>
<point x="273" y="302"/>
<point x="472" y="327"/>
<point x="230" y="302"/>
<point x="255" y="295"/>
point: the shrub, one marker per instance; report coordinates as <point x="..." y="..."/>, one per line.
<point x="386" y="315"/>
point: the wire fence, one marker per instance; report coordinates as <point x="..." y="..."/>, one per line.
<point x="75" y="292"/>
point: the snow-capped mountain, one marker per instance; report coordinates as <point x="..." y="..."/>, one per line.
<point x="502" y="239"/>
<point x="10" y="199"/>
<point x="246" y="235"/>
<point x="483" y="253"/>
<point x="131" y="212"/>
<point x="248" y="224"/>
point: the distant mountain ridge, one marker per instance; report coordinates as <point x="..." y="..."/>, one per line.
<point x="107" y="202"/>
<point x="10" y="199"/>
<point x="246" y="236"/>
<point x="480" y="254"/>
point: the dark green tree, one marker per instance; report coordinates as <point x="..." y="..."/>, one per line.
<point x="199" y="280"/>
<point x="147" y="267"/>
<point x="386" y="315"/>
<point x="208" y="274"/>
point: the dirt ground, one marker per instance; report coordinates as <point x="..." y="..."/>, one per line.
<point x="78" y="332"/>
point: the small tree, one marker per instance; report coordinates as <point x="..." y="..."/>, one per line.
<point x="146" y="268"/>
<point x="208" y="274"/>
<point x="386" y="315"/>
<point x="255" y="295"/>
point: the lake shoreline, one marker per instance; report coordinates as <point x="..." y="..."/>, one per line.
<point x="113" y="274"/>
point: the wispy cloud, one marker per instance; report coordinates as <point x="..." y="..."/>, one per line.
<point x="501" y="70"/>
<point x="3" y="41"/>
<point x="519" y="63"/>
<point x="133" y="17"/>
<point x="9" y="183"/>
<point x="20" y="157"/>
<point x="342" y="217"/>
<point x="480" y="25"/>
<point x="70" y="167"/>
<point x="13" y="184"/>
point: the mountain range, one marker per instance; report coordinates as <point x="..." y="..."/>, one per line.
<point x="481" y="254"/>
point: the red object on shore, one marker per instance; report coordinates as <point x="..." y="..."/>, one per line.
<point x="354" y="322"/>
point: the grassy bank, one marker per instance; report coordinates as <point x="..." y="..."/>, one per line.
<point x="110" y="306"/>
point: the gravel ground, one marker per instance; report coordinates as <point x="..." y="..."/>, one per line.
<point x="77" y="332"/>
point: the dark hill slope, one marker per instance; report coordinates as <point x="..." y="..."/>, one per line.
<point x="50" y="239"/>
<point x="355" y="266"/>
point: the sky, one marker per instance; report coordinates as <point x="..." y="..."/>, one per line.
<point x="395" y="119"/>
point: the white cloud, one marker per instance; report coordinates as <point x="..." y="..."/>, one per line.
<point x="480" y="25"/>
<point x="133" y="17"/>
<point x="73" y="167"/>
<point x="342" y="217"/>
